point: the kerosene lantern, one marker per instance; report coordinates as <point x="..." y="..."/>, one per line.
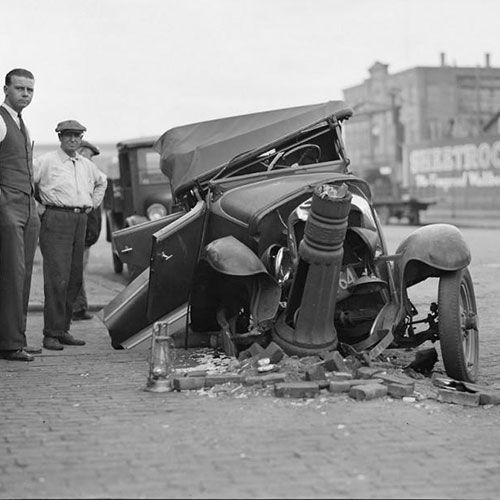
<point x="161" y="363"/>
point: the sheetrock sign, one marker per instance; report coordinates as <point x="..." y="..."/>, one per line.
<point x="471" y="163"/>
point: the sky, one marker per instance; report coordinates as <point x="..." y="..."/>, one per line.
<point x="133" y="68"/>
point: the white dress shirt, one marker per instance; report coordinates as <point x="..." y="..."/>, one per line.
<point x="68" y="182"/>
<point x="3" y="126"/>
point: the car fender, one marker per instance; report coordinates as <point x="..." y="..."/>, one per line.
<point x="231" y="257"/>
<point x="430" y="250"/>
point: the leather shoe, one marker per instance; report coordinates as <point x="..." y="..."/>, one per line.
<point x="19" y="355"/>
<point x="52" y="344"/>
<point x="81" y="315"/>
<point x="68" y="339"/>
<point x="33" y="350"/>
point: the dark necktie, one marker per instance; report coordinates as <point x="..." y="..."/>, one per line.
<point x="22" y="127"/>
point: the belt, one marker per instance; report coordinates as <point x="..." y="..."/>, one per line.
<point x="76" y="210"/>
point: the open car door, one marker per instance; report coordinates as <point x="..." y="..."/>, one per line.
<point x="133" y="244"/>
<point x="174" y="256"/>
<point x="160" y="289"/>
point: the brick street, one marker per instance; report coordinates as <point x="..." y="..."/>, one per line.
<point x="78" y="424"/>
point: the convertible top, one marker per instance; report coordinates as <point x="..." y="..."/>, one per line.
<point x="199" y="150"/>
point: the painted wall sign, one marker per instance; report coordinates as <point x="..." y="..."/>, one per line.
<point x="471" y="163"/>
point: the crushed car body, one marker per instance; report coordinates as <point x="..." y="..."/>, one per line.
<point x="274" y="239"/>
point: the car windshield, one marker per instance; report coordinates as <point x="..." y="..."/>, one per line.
<point x="148" y="161"/>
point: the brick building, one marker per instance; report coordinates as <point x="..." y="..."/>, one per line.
<point x="433" y="110"/>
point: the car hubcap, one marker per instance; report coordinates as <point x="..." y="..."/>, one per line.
<point x="469" y="328"/>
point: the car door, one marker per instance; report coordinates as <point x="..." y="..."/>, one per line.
<point x="134" y="243"/>
<point x="174" y="256"/>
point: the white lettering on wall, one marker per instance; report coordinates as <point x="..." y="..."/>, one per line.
<point x="458" y="158"/>
<point x="473" y="178"/>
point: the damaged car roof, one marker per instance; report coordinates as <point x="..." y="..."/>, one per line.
<point x="198" y="150"/>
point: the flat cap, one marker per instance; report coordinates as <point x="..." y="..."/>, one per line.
<point x="70" y="125"/>
<point x="87" y="144"/>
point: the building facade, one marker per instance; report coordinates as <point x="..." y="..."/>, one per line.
<point x="422" y="111"/>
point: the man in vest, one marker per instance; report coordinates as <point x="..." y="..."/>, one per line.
<point x="19" y="221"/>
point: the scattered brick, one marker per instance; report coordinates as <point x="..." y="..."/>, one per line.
<point x="272" y="378"/>
<point x="363" y="381"/>
<point x="323" y="384"/>
<point x="315" y="372"/>
<point x="253" y="380"/>
<point x="458" y="397"/>
<point x="337" y="376"/>
<point x="339" y="386"/>
<point x="296" y="390"/>
<point x="368" y="391"/>
<point x="274" y="352"/>
<point x="196" y="373"/>
<point x="333" y="361"/>
<point x="328" y="362"/>
<point x="254" y="350"/>
<point x="367" y="371"/>
<point x="396" y="379"/>
<point x="399" y="390"/>
<point x="489" y="398"/>
<point x="243" y="355"/>
<point x="211" y="380"/>
<point x="188" y="383"/>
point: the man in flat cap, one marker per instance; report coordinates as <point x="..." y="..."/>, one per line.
<point x="19" y="222"/>
<point x="94" y="222"/>
<point x="69" y="187"/>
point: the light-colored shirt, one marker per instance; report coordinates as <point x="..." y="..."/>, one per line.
<point x="3" y="126"/>
<point x="68" y="182"/>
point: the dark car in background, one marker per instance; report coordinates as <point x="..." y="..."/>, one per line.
<point x="140" y="193"/>
<point x="276" y="239"/>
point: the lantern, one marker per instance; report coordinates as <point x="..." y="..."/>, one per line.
<point x="161" y="363"/>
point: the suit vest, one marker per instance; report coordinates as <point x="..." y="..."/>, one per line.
<point x="16" y="157"/>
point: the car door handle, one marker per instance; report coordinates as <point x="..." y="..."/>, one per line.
<point x="127" y="250"/>
<point x="165" y="257"/>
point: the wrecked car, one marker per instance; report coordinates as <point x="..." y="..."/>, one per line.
<point x="278" y="240"/>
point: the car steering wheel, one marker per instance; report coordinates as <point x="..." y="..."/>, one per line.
<point x="310" y="151"/>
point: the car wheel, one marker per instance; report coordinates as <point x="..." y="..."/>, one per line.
<point x="117" y="264"/>
<point x="458" y="325"/>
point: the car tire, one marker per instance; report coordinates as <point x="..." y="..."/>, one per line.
<point x="458" y="328"/>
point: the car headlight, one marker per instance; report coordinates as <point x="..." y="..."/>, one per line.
<point x="278" y="262"/>
<point x="156" y="211"/>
